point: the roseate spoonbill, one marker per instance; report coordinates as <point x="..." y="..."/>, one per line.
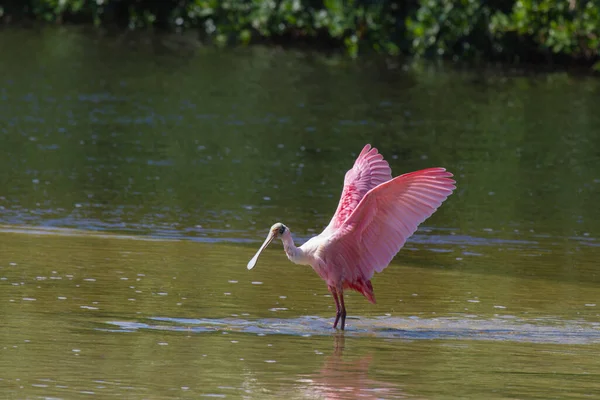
<point x="374" y="217"/>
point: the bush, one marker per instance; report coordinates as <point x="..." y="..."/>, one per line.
<point x="560" y="30"/>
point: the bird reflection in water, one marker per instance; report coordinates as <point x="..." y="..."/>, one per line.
<point x="341" y="378"/>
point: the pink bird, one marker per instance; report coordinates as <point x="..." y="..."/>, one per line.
<point x="375" y="216"/>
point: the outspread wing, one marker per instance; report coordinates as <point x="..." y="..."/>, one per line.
<point x="384" y="219"/>
<point x="369" y="171"/>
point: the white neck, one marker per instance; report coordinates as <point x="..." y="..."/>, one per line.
<point x="295" y="254"/>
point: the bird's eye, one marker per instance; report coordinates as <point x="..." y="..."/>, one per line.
<point x="281" y="230"/>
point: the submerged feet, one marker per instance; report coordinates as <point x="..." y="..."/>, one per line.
<point x="340" y="314"/>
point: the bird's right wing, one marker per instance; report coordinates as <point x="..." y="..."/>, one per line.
<point x="369" y="171"/>
<point x="384" y="219"/>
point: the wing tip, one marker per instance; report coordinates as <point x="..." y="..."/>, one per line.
<point x="434" y="172"/>
<point x="370" y="154"/>
<point x="368" y="150"/>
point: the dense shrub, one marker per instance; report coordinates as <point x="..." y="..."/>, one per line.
<point x="532" y="30"/>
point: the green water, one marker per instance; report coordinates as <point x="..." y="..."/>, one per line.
<point x="138" y="176"/>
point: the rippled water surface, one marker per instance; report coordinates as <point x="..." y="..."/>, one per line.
<point x="138" y="176"/>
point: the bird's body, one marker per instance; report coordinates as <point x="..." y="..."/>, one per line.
<point x="375" y="215"/>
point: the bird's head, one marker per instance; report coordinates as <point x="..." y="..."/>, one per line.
<point x="278" y="230"/>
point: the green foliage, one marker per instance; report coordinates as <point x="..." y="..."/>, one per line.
<point x="446" y="26"/>
<point x="567" y="29"/>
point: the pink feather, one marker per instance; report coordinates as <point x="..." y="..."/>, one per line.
<point x="381" y="223"/>
<point x="369" y="170"/>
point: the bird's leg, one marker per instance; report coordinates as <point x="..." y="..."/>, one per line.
<point x="338" y="311"/>
<point x="343" y="309"/>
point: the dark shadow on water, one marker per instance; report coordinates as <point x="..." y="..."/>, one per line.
<point x="540" y="330"/>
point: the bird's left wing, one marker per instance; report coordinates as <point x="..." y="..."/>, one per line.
<point x="384" y="219"/>
<point x="369" y="170"/>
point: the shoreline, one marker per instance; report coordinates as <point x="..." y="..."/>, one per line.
<point x="532" y="32"/>
<point x="187" y="41"/>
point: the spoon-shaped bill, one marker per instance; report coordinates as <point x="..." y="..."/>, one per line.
<point x="268" y="240"/>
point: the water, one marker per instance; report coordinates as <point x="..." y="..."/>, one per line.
<point x="138" y="176"/>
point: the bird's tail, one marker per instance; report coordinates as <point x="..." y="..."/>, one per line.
<point x="364" y="288"/>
